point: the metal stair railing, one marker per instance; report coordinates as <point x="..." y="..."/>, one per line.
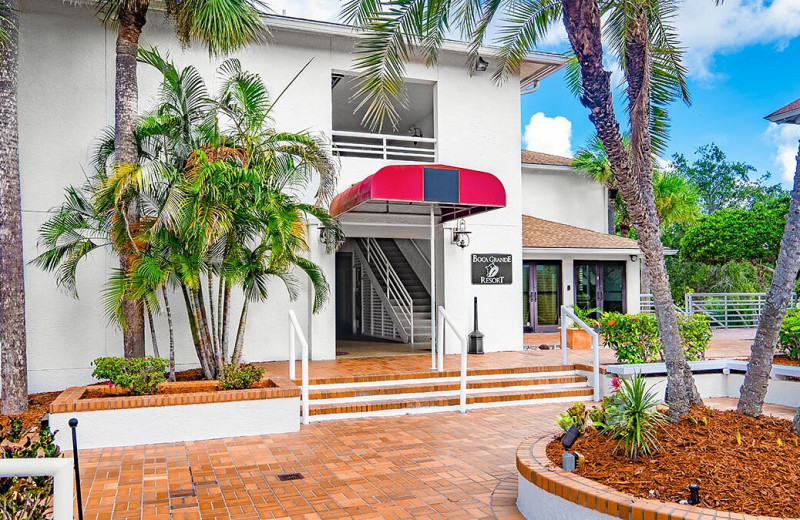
<point x="396" y="293"/>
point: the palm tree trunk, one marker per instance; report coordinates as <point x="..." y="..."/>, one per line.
<point x="203" y="330"/>
<point x="612" y="211"/>
<point x="153" y="333"/>
<point x="756" y="380"/>
<point x="212" y="314"/>
<point x="226" y="311"/>
<point x="12" y="288"/>
<point x="239" y="344"/>
<point x="126" y="104"/>
<point x="171" y="335"/>
<point x="583" y="24"/>
<point x="194" y="325"/>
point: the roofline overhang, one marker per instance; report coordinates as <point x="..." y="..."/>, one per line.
<point x="583" y="250"/>
<point x="790" y="117"/>
<point x="552" y="167"/>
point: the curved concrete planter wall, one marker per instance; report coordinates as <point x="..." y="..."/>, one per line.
<point x="547" y="492"/>
<point x="150" y="419"/>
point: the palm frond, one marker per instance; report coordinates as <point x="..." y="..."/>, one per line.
<point x="523" y="28"/>
<point x="223" y="26"/>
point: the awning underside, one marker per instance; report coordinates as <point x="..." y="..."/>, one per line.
<point x="407" y="192"/>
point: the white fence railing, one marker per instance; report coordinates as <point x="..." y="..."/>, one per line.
<point x="396" y="293"/>
<point x="59" y="469"/>
<point x="566" y="316"/>
<point x="724" y="310"/>
<point x="384" y="146"/>
<point x="296" y="332"/>
<point x="439" y="347"/>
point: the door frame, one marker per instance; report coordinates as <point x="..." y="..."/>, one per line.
<point x="600" y="290"/>
<point x="533" y="300"/>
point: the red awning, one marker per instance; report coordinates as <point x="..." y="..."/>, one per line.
<point x="411" y="189"/>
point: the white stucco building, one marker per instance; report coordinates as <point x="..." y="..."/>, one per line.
<point x="461" y="133"/>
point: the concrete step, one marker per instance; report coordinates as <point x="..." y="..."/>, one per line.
<point x="448" y="403"/>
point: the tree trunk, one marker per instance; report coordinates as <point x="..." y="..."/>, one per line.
<point x="153" y="336"/>
<point x="226" y="310"/>
<point x="12" y="286"/>
<point x="126" y="104"/>
<point x="194" y="325"/>
<point x="171" y="335"/>
<point x="583" y="24"/>
<point x="756" y="380"/>
<point x="236" y="358"/>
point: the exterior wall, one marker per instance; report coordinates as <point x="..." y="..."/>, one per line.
<point x="557" y="193"/>
<point x="632" y="273"/>
<point x="58" y="126"/>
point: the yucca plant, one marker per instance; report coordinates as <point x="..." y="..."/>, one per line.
<point x="634" y="419"/>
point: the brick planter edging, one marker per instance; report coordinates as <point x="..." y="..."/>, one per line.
<point x="71" y="399"/>
<point x="534" y="466"/>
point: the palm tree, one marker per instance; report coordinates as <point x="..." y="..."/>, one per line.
<point x="592" y="161"/>
<point x="222" y="27"/>
<point x="219" y="191"/>
<point x="12" y="288"/>
<point x="642" y="39"/>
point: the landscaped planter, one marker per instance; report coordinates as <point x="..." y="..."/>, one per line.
<point x="194" y="410"/>
<point x="547" y="492"/>
<point x="578" y="339"/>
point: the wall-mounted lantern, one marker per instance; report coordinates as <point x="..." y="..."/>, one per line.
<point x="461" y="235"/>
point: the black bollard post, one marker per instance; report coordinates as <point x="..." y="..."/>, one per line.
<point x="73" y="424"/>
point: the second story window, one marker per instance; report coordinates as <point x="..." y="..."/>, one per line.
<point x="413" y="139"/>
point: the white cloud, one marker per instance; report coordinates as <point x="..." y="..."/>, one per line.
<point x="325" y="10"/>
<point x="706" y="29"/>
<point x="548" y="134"/>
<point x="785" y="139"/>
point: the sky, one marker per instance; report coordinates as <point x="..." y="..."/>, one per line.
<point x="744" y="63"/>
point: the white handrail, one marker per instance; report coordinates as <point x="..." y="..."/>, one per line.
<point x="567" y="313"/>
<point x="395" y="290"/>
<point x="59" y="469"/>
<point x="295" y="330"/>
<point x="444" y="318"/>
<point x="383" y="146"/>
<point x="388" y="137"/>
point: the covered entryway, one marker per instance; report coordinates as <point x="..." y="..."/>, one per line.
<point x="386" y="290"/>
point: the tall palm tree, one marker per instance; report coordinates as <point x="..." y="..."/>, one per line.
<point x="223" y="27"/>
<point x="592" y="161"/>
<point x="641" y="38"/>
<point x="12" y="288"/>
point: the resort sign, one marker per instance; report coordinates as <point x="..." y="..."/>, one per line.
<point x="491" y="269"/>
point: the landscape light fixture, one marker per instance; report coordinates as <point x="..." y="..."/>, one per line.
<point x="461" y="235"/>
<point x="481" y="65"/>
<point x="569" y="460"/>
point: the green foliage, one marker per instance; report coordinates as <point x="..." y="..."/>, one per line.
<point x="575" y="416"/>
<point x="585" y="315"/>
<point x="139" y="375"/>
<point x="26" y="498"/>
<point x="789" y="340"/>
<point x="722" y="183"/>
<point x="635" y="338"/>
<point x="240" y="376"/>
<point x="696" y="335"/>
<point x="635" y="418"/>
<point x="603" y="418"/>
<point x="734" y="234"/>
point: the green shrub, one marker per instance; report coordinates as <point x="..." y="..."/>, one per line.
<point x="635" y="339"/>
<point x="789" y="340"/>
<point x="139" y="375"/>
<point x="695" y="335"/>
<point x="603" y="418"/>
<point x="241" y="376"/>
<point x="574" y="416"/>
<point x="634" y="418"/>
<point x="26" y="498"/>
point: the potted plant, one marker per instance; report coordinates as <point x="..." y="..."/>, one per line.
<point x="577" y="338"/>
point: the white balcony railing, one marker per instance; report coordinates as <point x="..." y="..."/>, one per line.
<point x="384" y="146"/>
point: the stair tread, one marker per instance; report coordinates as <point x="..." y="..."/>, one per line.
<point x="431" y="374"/>
<point x="438" y="386"/>
<point x="424" y="402"/>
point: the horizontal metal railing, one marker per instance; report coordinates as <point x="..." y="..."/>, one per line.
<point x="724" y="310"/>
<point x="396" y="293"/>
<point x="384" y="146"/>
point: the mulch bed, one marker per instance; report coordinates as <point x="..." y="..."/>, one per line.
<point x="181" y="387"/>
<point x="38" y="405"/>
<point x="785" y="360"/>
<point x="760" y="476"/>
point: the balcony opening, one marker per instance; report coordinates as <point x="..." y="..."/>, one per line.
<point x="413" y="139"/>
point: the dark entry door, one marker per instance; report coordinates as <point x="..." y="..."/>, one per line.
<point x="600" y="285"/>
<point x="344" y="295"/>
<point x="541" y="282"/>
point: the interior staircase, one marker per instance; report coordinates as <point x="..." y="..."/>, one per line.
<point x="346" y="397"/>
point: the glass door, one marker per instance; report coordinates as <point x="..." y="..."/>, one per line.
<point x="600" y="285"/>
<point x="541" y="296"/>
